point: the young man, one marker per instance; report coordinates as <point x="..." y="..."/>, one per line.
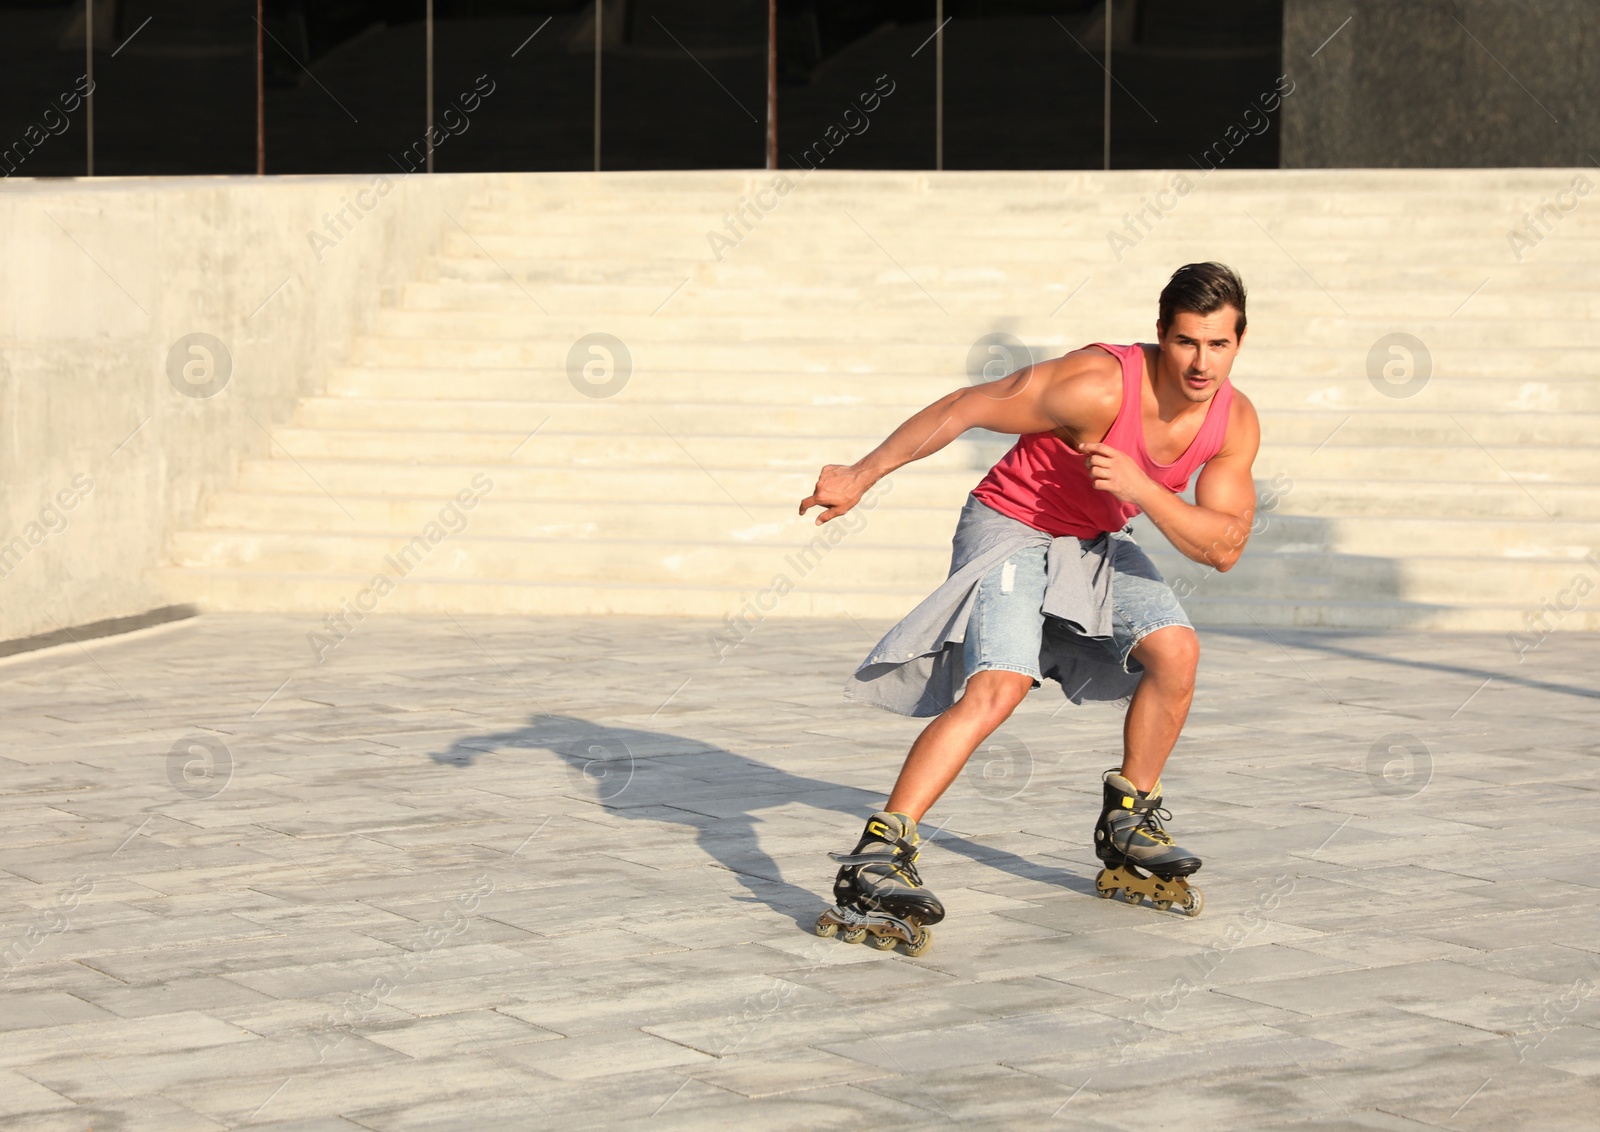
<point x="1047" y="581"/>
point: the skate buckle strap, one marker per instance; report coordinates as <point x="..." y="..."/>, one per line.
<point x="902" y="848"/>
<point x="898" y="863"/>
<point x="899" y="834"/>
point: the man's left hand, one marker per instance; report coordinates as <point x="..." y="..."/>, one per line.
<point x="1115" y="471"/>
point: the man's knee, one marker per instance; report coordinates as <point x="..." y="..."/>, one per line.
<point x="995" y="693"/>
<point x="1171" y="655"/>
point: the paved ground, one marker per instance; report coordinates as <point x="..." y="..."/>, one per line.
<point x="519" y="873"/>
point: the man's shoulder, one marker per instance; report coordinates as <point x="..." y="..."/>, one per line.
<point x="1083" y="390"/>
<point x="1242" y="412"/>
<point x="1090" y="370"/>
<point x="1243" y="432"/>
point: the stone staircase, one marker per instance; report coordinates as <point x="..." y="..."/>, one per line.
<point x="858" y="299"/>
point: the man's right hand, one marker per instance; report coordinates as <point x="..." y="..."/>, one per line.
<point x="1080" y="392"/>
<point x="839" y="488"/>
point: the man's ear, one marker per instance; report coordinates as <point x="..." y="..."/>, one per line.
<point x="1161" y="330"/>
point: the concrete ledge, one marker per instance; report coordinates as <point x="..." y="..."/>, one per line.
<point x="104" y="285"/>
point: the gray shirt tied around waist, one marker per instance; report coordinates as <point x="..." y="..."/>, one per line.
<point x="917" y="668"/>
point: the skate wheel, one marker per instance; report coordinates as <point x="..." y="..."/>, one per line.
<point x="924" y="940"/>
<point x="1131" y="897"/>
<point x="883" y="942"/>
<point x="1103" y="888"/>
<point x="1161" y="905"/>
<point x="854" y="935"/>
<point x="1193" y="902"/>
<point x="827" y="929"/>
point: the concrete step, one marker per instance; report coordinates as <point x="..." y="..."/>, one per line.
<point x="1060" y="204"/>
<point x="1056" y="251"/>
<point x="1001" y="204"/>
<point x="330" y="594"/>
<point x="334" y="594"/>
<point x="1376" y="427"/>
<point x="766" y="495"/>
<point x="834" y="556"/>
<point x="1142" y="277"/>
<point x="1329" y="186"/>
<point x="904" y="393"/>
<point x="1283" y="530"/>
<point x="460" y="435"/>
<point x="769" y="495"/>
<point x="1327" y="613"/>
<point x="1501" y="301"/>
<point x="453" y="438"/>
<point x="866" y="234"/>
<point x="891" y="522"/>
<point x="856" y="301"/>
<point x="822" y="355"/>
<point x="617" y="416"/>
<point x="1084" y="217"/>
<point x="1502" y="500"/>
<point x="888" y="523"/>
<point x="625" y="561"/>
<point x="872" y="329"/>
<point x="1433" y="580"/>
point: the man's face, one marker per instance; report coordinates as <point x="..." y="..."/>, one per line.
<point x="1197" y="351"/>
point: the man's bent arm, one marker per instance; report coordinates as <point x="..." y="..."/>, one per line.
<point x="1034" y="399"/>
<point x="1215" y="528"/>
<point x="1015" y="404"/>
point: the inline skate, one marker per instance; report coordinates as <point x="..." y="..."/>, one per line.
<point x="1140" y="857"/>
<point x="877" y="894"/>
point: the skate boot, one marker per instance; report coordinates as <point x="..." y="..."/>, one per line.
<point x="1139" y="855"/>
<point x="878" y="893"/>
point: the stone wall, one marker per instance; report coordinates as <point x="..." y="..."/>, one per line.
<point x="105" y="445"/>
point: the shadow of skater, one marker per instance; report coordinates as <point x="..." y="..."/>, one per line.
<point x="655" y="776"/>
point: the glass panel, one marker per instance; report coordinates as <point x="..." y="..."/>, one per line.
<point x="42" y="112"/>
<point x="1201" y="72"/>
<point x="514" y="84"/>
<point x="175" y="88"/>
<point x="346" y="84"/>
<point x="685" y="84"/>
<point x="856" y="84"/>
<point x="1023" y="84"/>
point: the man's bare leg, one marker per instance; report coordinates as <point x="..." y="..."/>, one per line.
<point x="947" y="743"/>
<point x="1160" y="704"/>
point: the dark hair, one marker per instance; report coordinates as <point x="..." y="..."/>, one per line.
<point x="1203" y="288"/>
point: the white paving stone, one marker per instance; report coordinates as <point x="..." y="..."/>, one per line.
<point x="505" y="872"/>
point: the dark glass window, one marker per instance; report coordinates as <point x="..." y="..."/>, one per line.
<point x="42" y="112"/>
<point x="1197" y="70"/>
<point x="684" y="85"/>
<point x="514" y="85"/>
<point x="856" y="84"/>
<point x="175" y="88"/>
<point x="345" y="84"/>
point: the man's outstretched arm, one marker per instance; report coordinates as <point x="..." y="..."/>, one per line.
<point x="1055" y="394"/>
<point x="1215" y="527"/>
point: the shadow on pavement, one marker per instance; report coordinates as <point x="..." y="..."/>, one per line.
<point x="660" y="777"/>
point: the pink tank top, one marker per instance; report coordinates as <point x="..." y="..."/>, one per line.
<point x="1042" y="481"/>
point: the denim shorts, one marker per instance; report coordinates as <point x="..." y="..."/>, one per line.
<point x="1006" y="630"/>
